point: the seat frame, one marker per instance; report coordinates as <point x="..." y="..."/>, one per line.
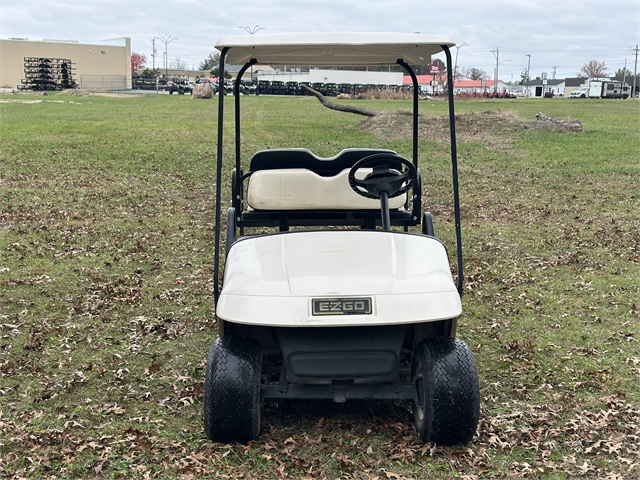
<point x="244" y="216"/>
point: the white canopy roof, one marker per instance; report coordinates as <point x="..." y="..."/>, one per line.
<point x="333" y="48"/>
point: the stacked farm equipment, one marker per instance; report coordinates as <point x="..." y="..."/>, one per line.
<point x="47" y="74"/>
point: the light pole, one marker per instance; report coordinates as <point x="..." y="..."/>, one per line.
<point x="455" y="68"/>
<point x="528" y="69"/>
<point x="166" y="42"/>
<point x="153" y="41"/>
<point x="251" y="31"/>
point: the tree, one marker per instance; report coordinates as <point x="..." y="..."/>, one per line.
<point x="151" y="72"/>
<point x="178" y="64"/>
<point x="441" y="75"/>
<point x="211" y="61"/>
<point x="215" y="72"/>
<point x="623" y="72"/>
<point x="524" y="77"/>
<point x="138" y="61"/>
<point x="474" y="73"/>
<point x="593" y="69"/>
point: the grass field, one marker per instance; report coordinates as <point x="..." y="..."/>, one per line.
<point x="106" y="290"/>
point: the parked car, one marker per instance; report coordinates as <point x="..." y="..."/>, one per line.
<point x="176" y="87"/>
<point x="582" y="92"/>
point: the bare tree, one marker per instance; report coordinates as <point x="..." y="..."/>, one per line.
<point x="474" y="73"/>
<point x="178" y="64"/>
<point x="441" y="76"/>
<point x="593" y="69"/>
<point x="524" y="77"/>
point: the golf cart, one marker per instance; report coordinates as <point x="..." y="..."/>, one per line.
<point x="338" y="300"/>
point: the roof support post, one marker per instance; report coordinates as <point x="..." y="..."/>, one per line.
<point x="216" y="253"/>
<point x="417" y="195"/>
<point x="236" y="92"/>
<point x="414" y="80"/>
<point x="454" y="168"/>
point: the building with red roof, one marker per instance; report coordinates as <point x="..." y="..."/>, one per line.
<point x="461" y="85"/>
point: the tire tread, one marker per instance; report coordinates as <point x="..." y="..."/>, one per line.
<point x="232" y="390"/>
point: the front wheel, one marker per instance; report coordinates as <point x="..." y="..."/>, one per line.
<point x="232" y="390"/>
<point x="447" y="408"/>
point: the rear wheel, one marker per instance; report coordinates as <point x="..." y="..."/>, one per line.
<point x="447" y="407"/>
<point x="232" y="390"/>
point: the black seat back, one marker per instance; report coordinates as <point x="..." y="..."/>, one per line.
<point x="303" y="158"/>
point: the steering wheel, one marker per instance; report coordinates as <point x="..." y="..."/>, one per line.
<point x="382" y="178"/>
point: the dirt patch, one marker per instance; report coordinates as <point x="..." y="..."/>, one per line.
<point x="543" y="122"/>
<point x="40" y="101"/>
<point x="97" y="93"/>
<point x="20" y="101"/>
<point x="493" y="129"/>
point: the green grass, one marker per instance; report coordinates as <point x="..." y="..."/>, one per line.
<point x="106" y="292"/>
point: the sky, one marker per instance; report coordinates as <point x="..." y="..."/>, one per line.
<point x="559" y="35"/>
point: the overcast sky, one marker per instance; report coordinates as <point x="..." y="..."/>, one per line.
<point x="560" y="34"/>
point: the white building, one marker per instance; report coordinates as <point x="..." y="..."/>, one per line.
<point x="331" y="76"/>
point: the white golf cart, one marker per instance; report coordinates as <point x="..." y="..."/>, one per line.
<point x="340" y="301"/>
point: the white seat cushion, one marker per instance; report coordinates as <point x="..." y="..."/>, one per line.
<point x="302" y="189"/>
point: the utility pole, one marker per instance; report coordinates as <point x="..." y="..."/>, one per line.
<point x="495" y="76"/>
<point x="154" y="51"/>
<point x="528" y="74"/>
<point x="635" y="73"/>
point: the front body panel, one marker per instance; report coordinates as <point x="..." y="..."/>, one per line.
<point x="282" y="279"/>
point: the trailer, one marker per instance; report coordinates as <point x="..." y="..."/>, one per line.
<point x="602" y="88"/>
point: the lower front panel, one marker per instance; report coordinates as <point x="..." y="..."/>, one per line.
<point x="323" y="355"/>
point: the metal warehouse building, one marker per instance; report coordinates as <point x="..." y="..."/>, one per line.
<point x="103" y="66"/>
<point x="332" y="76"/>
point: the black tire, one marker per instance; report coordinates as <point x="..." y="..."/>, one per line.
<point x="232" y="390"/>
<point x="448" y="405"/>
